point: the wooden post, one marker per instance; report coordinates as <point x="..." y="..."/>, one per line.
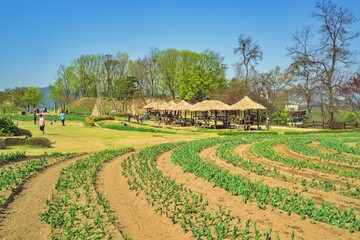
<point x="215" y="118"/>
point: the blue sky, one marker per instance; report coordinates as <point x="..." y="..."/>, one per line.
<point x="37" y="36"/>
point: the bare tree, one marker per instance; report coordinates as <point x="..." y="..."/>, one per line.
<point x="139" y="70"/>
<point x="305" y="72"/>
<point x="334" y="49"/>
<point x="152" y="66"/>
<point x="331" y="53"/>
<point x="250" y="53"/>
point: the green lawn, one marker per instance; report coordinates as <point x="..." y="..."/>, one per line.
<point x="75" y="137"/>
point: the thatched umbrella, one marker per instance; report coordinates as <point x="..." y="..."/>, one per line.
<point x="247" y="104"/>
<point x="208" y="105"/>
<point x="151" y="105"/>
<point x="170" y="105"/>
<point x="161" y="106"/>
<point x="182" y="106"/>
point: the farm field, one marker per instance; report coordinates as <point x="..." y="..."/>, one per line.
<point x="179" y="183"/>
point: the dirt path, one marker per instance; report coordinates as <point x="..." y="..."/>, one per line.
<point x="208" y="155"/>
<point x="135" y="217"/>
<point x="20" y="219"/>
<point x="280" y="222"/>
<point x="243" y="150"/>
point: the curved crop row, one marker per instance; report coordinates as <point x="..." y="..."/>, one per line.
<point x="76" y="210"/>
<point x="338" y="145"/>
<point x="226" y="152"/>
<point x="8" y="157"/>
<point x="12" y="177"/>
<point x="265" y="149"/>
<point x="300" y="145"/>
<point x="187" y="157"/>
<point x="180" y="204"/>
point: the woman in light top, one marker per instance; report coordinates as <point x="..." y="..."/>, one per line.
<point x="42" y="124"/>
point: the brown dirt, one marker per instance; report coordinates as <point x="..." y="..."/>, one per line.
<point x="20" y="219"/>
<point x="280" y="222"/>
<point x="135" y="217"/>
<point x="339" y="200"/>
<point x="243" y="150"/>
<point x="352" y="144"/>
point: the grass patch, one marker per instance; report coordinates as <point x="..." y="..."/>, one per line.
<point x="136" y="129"/>
<point x="47" y="117"/>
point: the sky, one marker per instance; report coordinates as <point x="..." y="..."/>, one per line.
<point x="37" y="36"/>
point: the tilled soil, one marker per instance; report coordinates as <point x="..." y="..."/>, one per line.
<point x="339" y="200"/>
<point x="20" y="219"/>
<point x="281" y="223"/>
<point x="243" y="150"/>
<point x="135" y="217"/>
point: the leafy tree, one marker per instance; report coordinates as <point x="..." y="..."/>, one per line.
<point x="168" y="61"/>
<point x="32" y="97"/>
<point x="86" y="70"/>
<point x="61" y="92"/>
<point x="125" y="88"/>
<point x="15" y="96"/>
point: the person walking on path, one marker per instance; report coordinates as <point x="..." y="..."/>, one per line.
<point x="62" y="117"/>
<point x="35" y="116"/>
<point x="42" y="124"/>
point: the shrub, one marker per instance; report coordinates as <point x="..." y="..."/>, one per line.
<point x="14" y="140"/>
<point x="100" y="118"/>
<point x="38" y="142"/>
<point x="24" y="132"/>
<point x="2" y="143"/>
<point x="7" y="127"/>
<point x="89" y="121"/>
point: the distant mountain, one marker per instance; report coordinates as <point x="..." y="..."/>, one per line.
<point x="47" y="101"/>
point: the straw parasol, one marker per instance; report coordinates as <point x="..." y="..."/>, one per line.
<point x="161" y="106"/>
<point x="170" y="105"/>
<point x="182" y="106"/>
<point x="151" y="105"/>
<point x="246" y="104"/>
<point x="208" y="105"/>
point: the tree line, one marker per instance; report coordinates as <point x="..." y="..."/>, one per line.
<point x="168" y="73"/>
<point x="321" y="74"/>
